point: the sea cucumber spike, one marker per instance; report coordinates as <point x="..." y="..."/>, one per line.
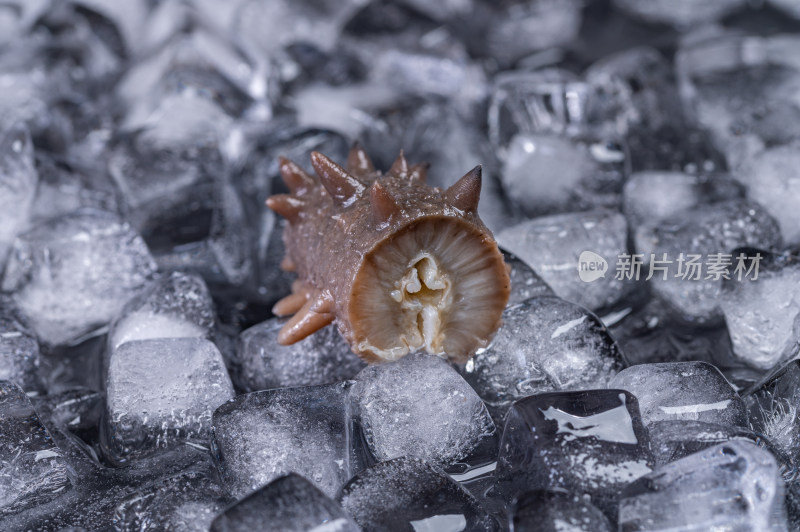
<point x="287" y="265"/>
<point x="302" y="324"/>
<point x="297" y="179"/>
<point x="286" y="205"/>
<point x="419" y="172"/>
<point x="465" y="193"/>
<point x="342" y="186"/>
<point x="382" y="203"/>
<point x="290" y="304"/>
<point x="400" y="166"/>
<point x="358" y="162"/>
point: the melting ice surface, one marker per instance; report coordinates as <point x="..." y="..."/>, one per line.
<point x="441" y="523"/>
<point x="613" y="425"/>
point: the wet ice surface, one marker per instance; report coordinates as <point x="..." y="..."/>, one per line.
<point x="694" y="391"/>
<point x="733" y="485"/>
<point x="420" y="406"/>
<point x="411" y="494"/>
<point x="139" y="141"/>
<point x="589" y="442"/>
<point x="289" y="503"/>
<point x="545" y="344"/>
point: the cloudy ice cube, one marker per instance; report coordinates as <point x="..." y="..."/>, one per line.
<point x="703" y="237"/>
<point x="555" y="247"/>
<point x="73" y="274"/>
<point x="18" y="181"/>
<point x="187" y="502"/>
<point x="682" y="391"/>
<point x="32" y="469"/>
<point x="545" y="344"/>
<point x="731" y="486"/>
<point x="420" y="406"/>
<point x="589" y="442"/>
<point x="261" y="436"/>
<point x="763" y="314"/>
<point x="651" y="196"/>
<point x="679" y="13"/>
<point x="408" y="493"/>
<point x="160" y="394"/>
<point x="19" y="352"/>
<point x="178" y="305"/>
<point x="291" y="504"/>
<point x="773" y="405"/>
<point x="590" y="173"/>
<point x="322" y="358"/>
<point x="556" y="511"/>
<point x="771" y="180"/>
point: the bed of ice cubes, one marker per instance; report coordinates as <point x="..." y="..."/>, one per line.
<point x="142" y="387"/>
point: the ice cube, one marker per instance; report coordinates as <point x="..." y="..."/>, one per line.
<point x="771" y="180"/>
<point x="680" y="13"/>
<point x="651" y="196"/>
<point x="32" y="469"/>
<point x="289" y="503"/>
<point x="690" y="391"/>
<point x="556" y="248"/>
<point x="590" y="173"/>
<point x="65" y="187"/>
<point x="525" y="283"/>
<point x="73" y="274"/>
<point x="588" y="442"/>
<point x="420" y="406"/>
<point x="186" y="502"/>
<point x="733" y="486"/>
<point x="545" y="101"/>
<point x="705" y="238"/>
<point x="261" y="436"/>
<point x="322" y="358"/>
<point x="160" y="394"/>
<point x="19" y="352"/>
<point x="18" y="181"/>
<point x="673" y="440"/>
<point x="773" y="404"/>
<point x="520" y="28"/>
<point x="556" y="511"/>
<point x="408" y="493"/>
<point x="763" y="313"/>
<point x="176" y="306"/>
<point x="17" y="17"/>
<point x="545" y="344"/>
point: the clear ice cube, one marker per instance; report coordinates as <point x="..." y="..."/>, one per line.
<point x="19" y="352"/>
<point x="773" y="404"/>
<point x="556" y="511"/>
<point x="545" y="344"/>
<point x="290" y="504"/>
<point x="32" y="469"/>
<point x="420" y="406"/>
<point x="161" y="393"/>
<point x="682" y="391"/>
<point x="74" y="274"/>
<point x="588" y="442"/>
<point x="525" y="283"/>
<point x="731" y="486"/>
<point x="261" y="436"/>
<point x="408" y="493"/>
<point x="555" y="247"/>
<point x="321" y="358"/>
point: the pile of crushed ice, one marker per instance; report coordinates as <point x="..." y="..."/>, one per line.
<point x="641" y="169"/>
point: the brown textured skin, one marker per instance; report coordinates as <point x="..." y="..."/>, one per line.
<point x="334" y="228"/>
